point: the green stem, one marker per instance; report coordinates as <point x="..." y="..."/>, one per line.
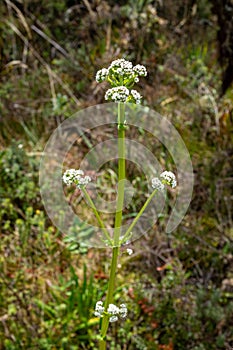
<point x="139" y="214"/>
<point x="92" y="205"/>
<point x="118" y="222"/>
<point x="102" y="344"/>
<point x="121" y="173"/>
<point x="109" y="298"/>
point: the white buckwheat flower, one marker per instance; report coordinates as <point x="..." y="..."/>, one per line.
<point x="101" y="75"/>
<point x="99" y="309"/>
<point x="136" y="96"/>
<point x="117" y="94"/>
<point x="140" y="70"/>
<point x="77" y="177"/>
<point x="157" y="184"/>
<point x="169" y="178"/>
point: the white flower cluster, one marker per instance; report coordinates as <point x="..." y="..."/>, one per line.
<point x="140" y="70"/>
<point x="75" y="176"/>
<point x="136" y="96"/>
<point x="99" y="309"/>
<point x="121" y="73"/>
<point x="121" y="66"/>
<point x="117" y="94"/>
<point x="167" y="178"/>
<point x="157" y="184"/>
<point x="122" y="94"/>
<point x="101" y="75"/>
<point x="113" y="311"/>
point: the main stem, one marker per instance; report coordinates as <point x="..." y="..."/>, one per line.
<point x="118" y="221"/>
<point x="121" y="173"/>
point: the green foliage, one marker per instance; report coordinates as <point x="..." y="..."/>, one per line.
<point x="74" y="239"/>
<point x="15" y="165"/>
<point x="18" y="184"/>
<point x="28" y="244"/>
<point x="68" y="319"/>
<point x="176" y="313"/>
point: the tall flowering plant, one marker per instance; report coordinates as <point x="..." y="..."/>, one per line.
<point x="122" y="76"/>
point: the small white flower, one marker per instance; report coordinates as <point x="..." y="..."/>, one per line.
<point x="121" y="66"/>
<point x="136" y="96"/>
<point x="157" y="184"/>
<point x="129" y="251"/>
<point x="99" y="309"/>
<point x="122" y="75"/>
<point x="101" y="75"/>
<point x="169" y="178"/>
<point x="83" y="181"/>
<point x="113" y="309"/>
<point x="140" y="70"/>
<point x="113" y="318"/>
<point x="75" y="176"/>
<point x="117" y="94"/>
<point x="70" y="175"/>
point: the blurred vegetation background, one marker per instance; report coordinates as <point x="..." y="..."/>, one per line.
<point x="178" y="288"/>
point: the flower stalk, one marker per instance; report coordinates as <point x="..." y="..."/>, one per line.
<point x="122" y="76"/>
<point x="139" y="214"/>
<point x="121" y="173"/>
<point x="93" y="207"/>
<point x="118" y="220"/>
